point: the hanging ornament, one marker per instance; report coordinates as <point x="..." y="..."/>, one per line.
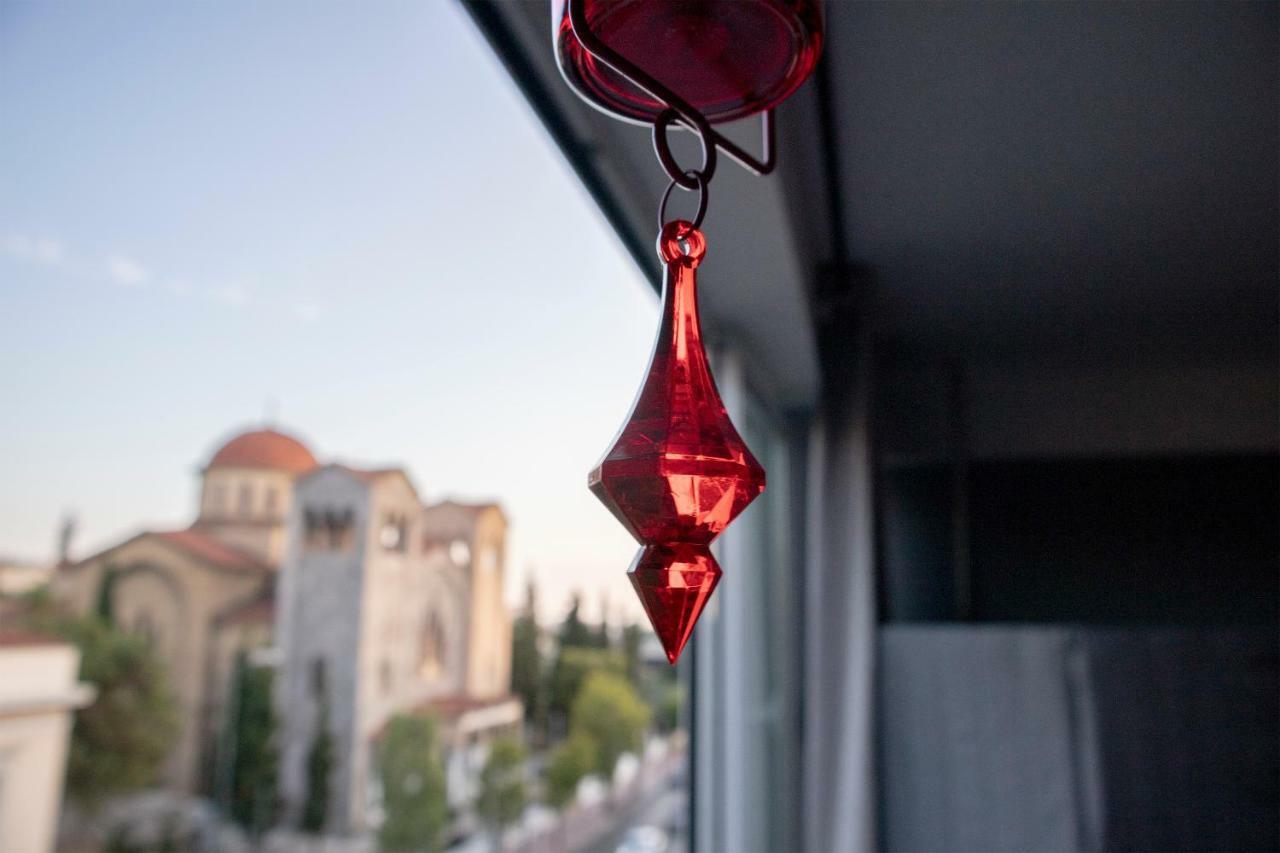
<point x="678" y="473"/>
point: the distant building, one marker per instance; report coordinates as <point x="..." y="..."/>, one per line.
<point x="18" y="577"/>
<point x="360" y="563"/>
<point x="386" y="607"/>
<point x="38" y="692"/>
<point x="202" y="594"/>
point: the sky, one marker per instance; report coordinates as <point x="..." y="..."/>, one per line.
<point x="340" y="217"/>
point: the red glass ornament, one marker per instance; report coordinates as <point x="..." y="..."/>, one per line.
<point x="728" y="58"/>
<point x="678" y="472"/>
<point x="674" y="583"/>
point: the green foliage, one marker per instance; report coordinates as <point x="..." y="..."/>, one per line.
<point x="574" y="633"/>
<point x="118" y="742"/>
<point x="632" y="637"/>
<point x="502" y="795"/>
<point x="570" y="671"/>
<point x="254" y="772"/>
<point x="104" y="611"/>
<point x="668" y="705"/>
<point x="319" y="768"/>
<point x="526" y="667"/>
<point x="600" y="637"/>
<point x="413" y="786"/>
<point x="609" y="711"/>
<point x="570" y="761"/>
<point x="660" y="688"/>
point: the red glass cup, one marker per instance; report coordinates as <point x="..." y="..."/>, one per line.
<point x="728" y="58"/>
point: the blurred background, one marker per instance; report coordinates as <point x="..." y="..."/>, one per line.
<point x="316" y="318"/>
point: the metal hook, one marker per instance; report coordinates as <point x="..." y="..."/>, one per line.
<point x="700" y="182"/>
<point x="661" y="126"/>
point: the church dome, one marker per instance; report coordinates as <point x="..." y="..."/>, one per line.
<point x="264" y="448"/>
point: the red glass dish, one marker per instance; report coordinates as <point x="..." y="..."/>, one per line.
<point x="728" y="58"/>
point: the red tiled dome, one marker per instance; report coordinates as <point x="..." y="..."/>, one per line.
<point x="264" y="448"/>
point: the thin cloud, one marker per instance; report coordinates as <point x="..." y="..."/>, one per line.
<point x="39" y="250"/>
<point x="127" y="271"/>
<point x="232" y="295"/>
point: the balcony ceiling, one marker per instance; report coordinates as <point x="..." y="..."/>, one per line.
<point x="1062" y="175"/>
<point x="1058" y="180"/>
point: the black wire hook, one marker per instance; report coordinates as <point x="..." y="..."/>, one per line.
<point x="699" y="181"/>
<point x="661" y="147"/>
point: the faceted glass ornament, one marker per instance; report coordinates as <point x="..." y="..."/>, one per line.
<point x="678" y="470"/>
<point x="728" y="58"/>
<point x="674" y="583"/>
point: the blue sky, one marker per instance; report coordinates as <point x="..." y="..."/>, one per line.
<point x="344" y="208"/>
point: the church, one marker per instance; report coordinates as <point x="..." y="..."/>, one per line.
<point x="367" y="601"/>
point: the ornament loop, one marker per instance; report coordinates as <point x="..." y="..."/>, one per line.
<point x="684" y="177"/>
<point x="681" y="241"/>
<point x="699" y="181"/>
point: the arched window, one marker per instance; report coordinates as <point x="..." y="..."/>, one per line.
<point x="145" y="627"/>
<point x="431" y="662"/>
<point x="328" y="530"/>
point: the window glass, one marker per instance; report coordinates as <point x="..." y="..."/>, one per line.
<point x="747" y="666"/>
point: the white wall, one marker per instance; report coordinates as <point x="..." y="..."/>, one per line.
<point x="38" y="691"/>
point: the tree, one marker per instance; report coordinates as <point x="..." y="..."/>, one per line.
<point x="255" y="758"/>
<point x="570" y="761"/>
<point x="413" y="786"/>
<point x="574" y="633"/>
<point x="670" y="699"/>
<point x="609" y="712"/>
<point x="601" y="640"/>
<point x="118" y="742"/>
<point x="570" y="671"/>
<point x="526" y="662"/>
<point x="319" y="767"/>
<point x="105" y="589"/>
<point x="502" y="796"/>
<point x="632" y="637"/>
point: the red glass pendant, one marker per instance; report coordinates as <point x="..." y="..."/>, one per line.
<point x="674" y="583"/>
<point x="678" y="472"/>
<point x="728" y="58"/>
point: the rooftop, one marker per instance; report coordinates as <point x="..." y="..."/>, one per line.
<point x="264" y="448"/>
